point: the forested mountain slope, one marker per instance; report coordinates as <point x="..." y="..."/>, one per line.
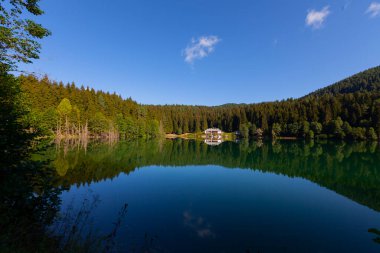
<point x="368" y="80"/>
<point x="346" y="109"/>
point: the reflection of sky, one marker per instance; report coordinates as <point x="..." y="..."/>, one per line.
<point x="204" y="207"/>
<point x="198" y="224"/>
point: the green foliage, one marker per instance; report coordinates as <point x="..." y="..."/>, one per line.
<point x="276" y="130"/>
<point x="334" y="128"/>
<point x="371" y="134"/>
<point x="345" y="115"/>
<point x="322" y="136"/>
<point x="305" y="128"/>
<point x="358" y="133"/>
<point x="121" y="125"/>
<point x="376" y="116"/>
<point x="64" y="108"/>
<point x="310" y="135"/>
<point x="131" y="128"/>
<point x="355" y="100"/>
<point x="252" y="130"/>
<point x="19" y="34"/>
<point x="99" y="123"/>
<point x="14" y="139"/>
<point x="244" y="131"/>
<point x="141" y="128"/>
<point x="316" y="127"/>
<point x="152" y="129"/>
<point x="75" y="107"/>
<point x="347" y="129"/>
<point x="293" y="129"/>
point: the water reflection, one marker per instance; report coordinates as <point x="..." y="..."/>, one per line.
<point x="351" y="169"/>
<point x="246" y="200"/>
<point x="376" y="233"/>
<point x="213" y="142"/>
<point x="29" y="203"/>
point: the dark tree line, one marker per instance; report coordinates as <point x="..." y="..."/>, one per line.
<point x="354" y="115"/>
<point x="349" y="109"/>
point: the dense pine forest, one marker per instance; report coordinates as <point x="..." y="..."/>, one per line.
<point x="70" y="112"/>
<point x="349" y="109"/>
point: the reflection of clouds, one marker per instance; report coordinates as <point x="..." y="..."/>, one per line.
<point x="198" y="224"/>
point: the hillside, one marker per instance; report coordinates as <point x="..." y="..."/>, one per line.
<point x="368" y="80"/>
<point x="340" y="111"/>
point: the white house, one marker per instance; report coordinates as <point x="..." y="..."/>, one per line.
<point x="213" y="131"/>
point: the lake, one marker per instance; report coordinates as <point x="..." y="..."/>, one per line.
<point x="186" y="196"/>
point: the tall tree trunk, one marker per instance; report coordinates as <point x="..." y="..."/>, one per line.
<point x="66" y="126"/>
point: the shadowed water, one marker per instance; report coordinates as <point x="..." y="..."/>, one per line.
<point x="186" y="196"/>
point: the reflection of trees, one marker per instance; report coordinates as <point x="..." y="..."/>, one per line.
<point x="30" y="219"/>
<point x="375" y="232"/>
<point x="29" y="195"/>
<point x="75" y="231"/>
<point x="351" y="169"/>
<point x="28" y="204"/>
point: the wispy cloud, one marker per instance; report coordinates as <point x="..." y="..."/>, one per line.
<point x="373" y="9"/>
<point x="315" y="18"/>
<point x="200" y="48"/>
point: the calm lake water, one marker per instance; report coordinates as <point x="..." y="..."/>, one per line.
<point x="186" y="196"/>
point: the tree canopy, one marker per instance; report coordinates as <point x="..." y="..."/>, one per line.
<point x="340" y="115"/>
<point x="19" y="35"/>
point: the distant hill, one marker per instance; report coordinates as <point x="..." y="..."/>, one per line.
<point x="368" y="80"/>
<point x="231" y="105"/>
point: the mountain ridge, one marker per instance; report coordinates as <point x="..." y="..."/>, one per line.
<point x="367" y="80"/>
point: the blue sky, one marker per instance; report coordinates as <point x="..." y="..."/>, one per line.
<point x="208" y="52"/>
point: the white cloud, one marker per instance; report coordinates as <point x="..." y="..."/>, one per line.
<point x="315" y="18"/>
<point x="373" y="9"/>
<point x="200" y="48"/>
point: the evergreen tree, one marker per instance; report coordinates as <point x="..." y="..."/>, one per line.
<point x="371" y="134"/>
<point x="276" y="130"/>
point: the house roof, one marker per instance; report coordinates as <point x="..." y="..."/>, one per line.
<point x="213" y="129"/>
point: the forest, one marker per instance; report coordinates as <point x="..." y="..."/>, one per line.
<point x="67" y="111"/>
<point x="349" y="109"/>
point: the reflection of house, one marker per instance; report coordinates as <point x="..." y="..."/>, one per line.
<point x="213" y="142"/>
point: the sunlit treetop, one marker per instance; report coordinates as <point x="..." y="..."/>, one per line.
<point x="19" y="35"/>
